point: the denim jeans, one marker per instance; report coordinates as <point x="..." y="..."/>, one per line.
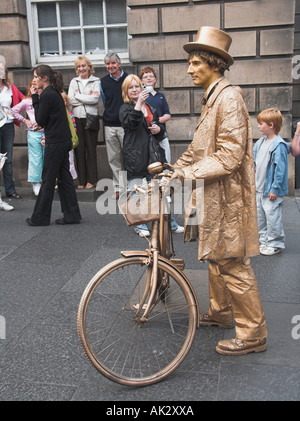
<point x="7" y="135"/>
<point x="269" y="217"/>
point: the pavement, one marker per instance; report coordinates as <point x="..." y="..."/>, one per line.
<point x="43" y="272"/>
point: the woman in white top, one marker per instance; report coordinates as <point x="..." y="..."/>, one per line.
<point x="84" y="94"/>
<point x="9" y="96"/>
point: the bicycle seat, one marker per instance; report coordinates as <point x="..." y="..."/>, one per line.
<point x="155" y="168"/>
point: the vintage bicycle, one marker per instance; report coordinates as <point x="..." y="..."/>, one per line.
<point x="138" y="315"/>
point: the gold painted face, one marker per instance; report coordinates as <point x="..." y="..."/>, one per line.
<point x="201" y="73"/>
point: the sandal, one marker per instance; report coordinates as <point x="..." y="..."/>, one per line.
<point x="80" y="187"/>
<point x="14" y="195"/>
<point x="90" y="186"/>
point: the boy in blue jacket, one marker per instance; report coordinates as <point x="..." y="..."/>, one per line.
<point x="271" y="176"/>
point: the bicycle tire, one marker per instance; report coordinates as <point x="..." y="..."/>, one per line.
<point x="122" y="348"/>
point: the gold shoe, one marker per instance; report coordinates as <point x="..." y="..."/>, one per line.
<point x="206" y="320"/>
<point x="239" y="347"/>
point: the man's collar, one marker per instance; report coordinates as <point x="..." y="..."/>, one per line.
<point x="122" y="72"/>
<point x="210" y="90"/>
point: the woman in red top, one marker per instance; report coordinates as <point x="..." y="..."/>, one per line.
<point x="9" y="96"/>
<point x="139" y="121"/>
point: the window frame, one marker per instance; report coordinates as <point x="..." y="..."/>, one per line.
<point x="67" y="60"/>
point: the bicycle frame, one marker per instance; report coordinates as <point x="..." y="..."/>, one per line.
<point x="127" y="302"/>
<point x="152" y="257"/>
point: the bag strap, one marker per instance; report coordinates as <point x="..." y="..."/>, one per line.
<point x="80" y="93"/>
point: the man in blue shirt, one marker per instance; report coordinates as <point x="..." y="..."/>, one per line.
<point x="111" y="91"/>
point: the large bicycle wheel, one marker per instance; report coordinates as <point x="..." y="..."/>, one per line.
<point x="115" y="340"/>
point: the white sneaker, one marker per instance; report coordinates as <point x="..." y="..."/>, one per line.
<point x="179" y="230"/>
<point x="36" y="188"/>
<point x="269" y="251"/>
<point x="262" y="247"/>
<point x="5" y="206"/>
<point x="143" y="233"/>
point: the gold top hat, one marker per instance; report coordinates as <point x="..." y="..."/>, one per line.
<point x="212" y="40"/>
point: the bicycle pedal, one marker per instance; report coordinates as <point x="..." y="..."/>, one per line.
<point x="137" y="306"/>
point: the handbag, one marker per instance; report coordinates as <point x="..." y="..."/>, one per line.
<point x="156" y="152"/>
<point x="141" y="206"/>
<point x="75" y="140"/>
<point x="92" y="120"/>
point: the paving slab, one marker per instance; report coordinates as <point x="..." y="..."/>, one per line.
<point x="43" y="272"/>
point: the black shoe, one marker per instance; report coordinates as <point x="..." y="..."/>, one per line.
<point x="33" y="224"/>
<point x="61" y="221"/>
<point x="14" y="195"/>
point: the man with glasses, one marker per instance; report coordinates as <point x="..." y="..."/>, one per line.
<point x="158" y="101"/>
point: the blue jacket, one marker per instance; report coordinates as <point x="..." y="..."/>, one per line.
<point x="277" y="171"/>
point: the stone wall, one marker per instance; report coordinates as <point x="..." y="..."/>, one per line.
<point x="14" y="38"/>
<point x="263" y="44"/>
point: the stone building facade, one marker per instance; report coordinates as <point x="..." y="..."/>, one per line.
<point x="264" y="44"/>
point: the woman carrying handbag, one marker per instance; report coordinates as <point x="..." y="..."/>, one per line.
<point x="84" y="94"/>
<point x="143" y="132"/>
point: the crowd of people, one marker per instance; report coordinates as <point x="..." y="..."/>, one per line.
<point x="133" y="111"/>
<point x="45" y="131"/>
<point x="243" y="185"/>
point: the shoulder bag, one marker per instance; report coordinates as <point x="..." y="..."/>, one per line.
<point x="156" y="152"/>
<point x="92" y="120"/>
<point x="75" y="140"/>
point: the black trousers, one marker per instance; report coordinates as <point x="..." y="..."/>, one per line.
<point x="56" y="166"/>
<point x="86" y="153"/>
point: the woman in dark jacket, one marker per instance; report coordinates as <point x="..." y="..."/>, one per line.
<point x="50" y="113"/>
<point x="139" y="121"/>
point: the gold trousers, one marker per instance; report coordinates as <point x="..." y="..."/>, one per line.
<point x="234" y="295"/>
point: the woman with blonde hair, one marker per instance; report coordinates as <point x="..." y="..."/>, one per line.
<point x="84" y="94"/>
<point x="139" y="121"/>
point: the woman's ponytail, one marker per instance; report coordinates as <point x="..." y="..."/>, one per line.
<point x="58" y="82"/>
<point x="55" y="76"/>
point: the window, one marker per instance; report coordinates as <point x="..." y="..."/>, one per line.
<point x="62" y="30"/>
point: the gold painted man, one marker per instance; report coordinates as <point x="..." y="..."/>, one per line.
<point x="221" y="154"/>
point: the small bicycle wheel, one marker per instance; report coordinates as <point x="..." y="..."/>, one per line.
<point x="116" y="341"/>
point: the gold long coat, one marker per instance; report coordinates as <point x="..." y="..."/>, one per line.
<point x="221" y="153"/>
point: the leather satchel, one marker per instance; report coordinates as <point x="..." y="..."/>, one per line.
<point x="92" y="122"/>
<point x="140" y="207"/>
<point x="156" y="152"/>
